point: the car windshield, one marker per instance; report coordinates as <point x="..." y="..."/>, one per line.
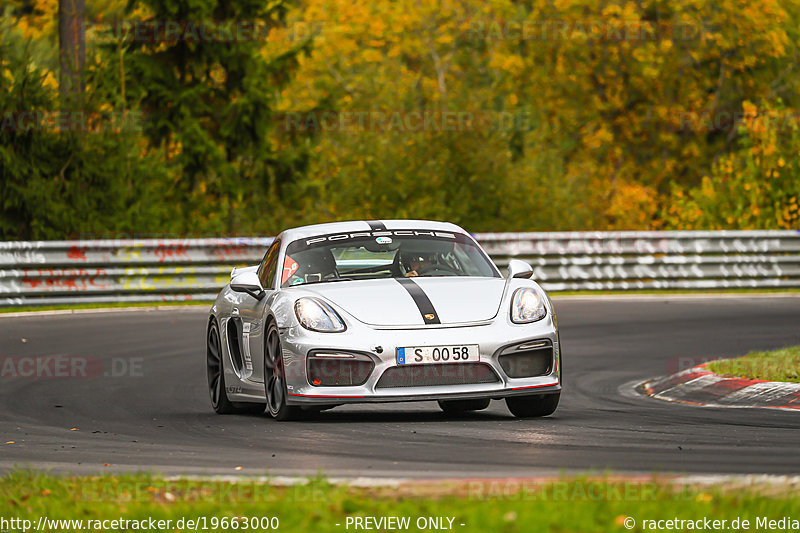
<point x="383" y="254"/>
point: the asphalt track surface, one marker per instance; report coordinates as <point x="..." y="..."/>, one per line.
<point x="160" y="419"/>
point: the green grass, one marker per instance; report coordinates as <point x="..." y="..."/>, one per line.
<point x="778" y="365"/>
<point x="113" y="305"/>
<point x="567" y="504"/>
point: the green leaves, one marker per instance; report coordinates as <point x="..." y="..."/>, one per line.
<point x="584" y="115"/>
<point x="211" y="102"/>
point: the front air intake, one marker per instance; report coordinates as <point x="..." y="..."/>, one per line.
<point x="528" y="361"/>
<point x="437" y="375"/>
<point x="339" y="370"/>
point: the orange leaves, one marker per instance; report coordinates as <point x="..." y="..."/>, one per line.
<point x="754" y="186"/>
<point x="664" y="116"/>
<point x="631" y="206"/>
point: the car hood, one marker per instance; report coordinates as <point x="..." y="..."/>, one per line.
<point x="387" y="302"/>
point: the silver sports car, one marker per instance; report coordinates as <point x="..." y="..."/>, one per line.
<point x="381" y="311"/>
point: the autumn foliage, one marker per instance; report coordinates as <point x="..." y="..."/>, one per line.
<point x="500" y="115"/>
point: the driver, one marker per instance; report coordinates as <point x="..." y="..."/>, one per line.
<point x="416" y="262"/>
<point x="313" y="266"/>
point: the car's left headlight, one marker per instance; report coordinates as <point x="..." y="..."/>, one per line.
<point x="527" y="305"/>
<point x="317" y="315"/>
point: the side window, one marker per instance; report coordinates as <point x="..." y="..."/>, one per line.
<point x="270" y="266"/>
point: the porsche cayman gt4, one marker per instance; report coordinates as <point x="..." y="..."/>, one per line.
<point x="381" y="311"/>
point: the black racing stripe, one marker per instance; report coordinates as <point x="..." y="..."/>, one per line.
<point x="376" y="225"/>
<point x="421" y="299"/>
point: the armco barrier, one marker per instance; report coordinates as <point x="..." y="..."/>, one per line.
<point x="52" y="272"/>
<point x="653" y="260"/>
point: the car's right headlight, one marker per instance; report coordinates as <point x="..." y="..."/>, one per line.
<point x="527" y="305"/>
<point x="317" y="315"/>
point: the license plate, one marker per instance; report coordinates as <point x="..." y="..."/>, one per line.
<point x="426" y="355"/>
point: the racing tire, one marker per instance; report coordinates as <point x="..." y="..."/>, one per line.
<point x="215" y="371"/>
<point x="533" y="406"/>
<point x="275" y="378"/>
<point x="454" y="407"/>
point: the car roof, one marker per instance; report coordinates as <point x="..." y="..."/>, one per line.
<point x="303" y="232"/>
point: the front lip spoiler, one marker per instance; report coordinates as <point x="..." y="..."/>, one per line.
<point x="308" y="399"/>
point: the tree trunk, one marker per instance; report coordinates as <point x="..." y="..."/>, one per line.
<point x="72" y="52"/>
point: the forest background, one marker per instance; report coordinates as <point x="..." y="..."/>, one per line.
<point x="245" y="117"/>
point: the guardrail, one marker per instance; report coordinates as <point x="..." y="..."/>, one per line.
<point x="141" y="270"/>
<point x="56" y="272"/>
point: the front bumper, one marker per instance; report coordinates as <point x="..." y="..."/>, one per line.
<point x="380" y="345"/>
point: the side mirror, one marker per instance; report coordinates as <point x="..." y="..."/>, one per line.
<point x="519" y="269"/>
<point x="247" y="282"/>
<point x="241" y="270"/>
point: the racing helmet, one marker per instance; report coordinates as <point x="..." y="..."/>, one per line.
<point x="409" y="255"/>
<point x="316" y="264"/>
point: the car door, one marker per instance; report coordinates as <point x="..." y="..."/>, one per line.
<point x="252" y="314"/>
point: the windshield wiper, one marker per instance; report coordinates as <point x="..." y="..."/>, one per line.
<point x="332" y="280"/>
<point x="376" y="268"/>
